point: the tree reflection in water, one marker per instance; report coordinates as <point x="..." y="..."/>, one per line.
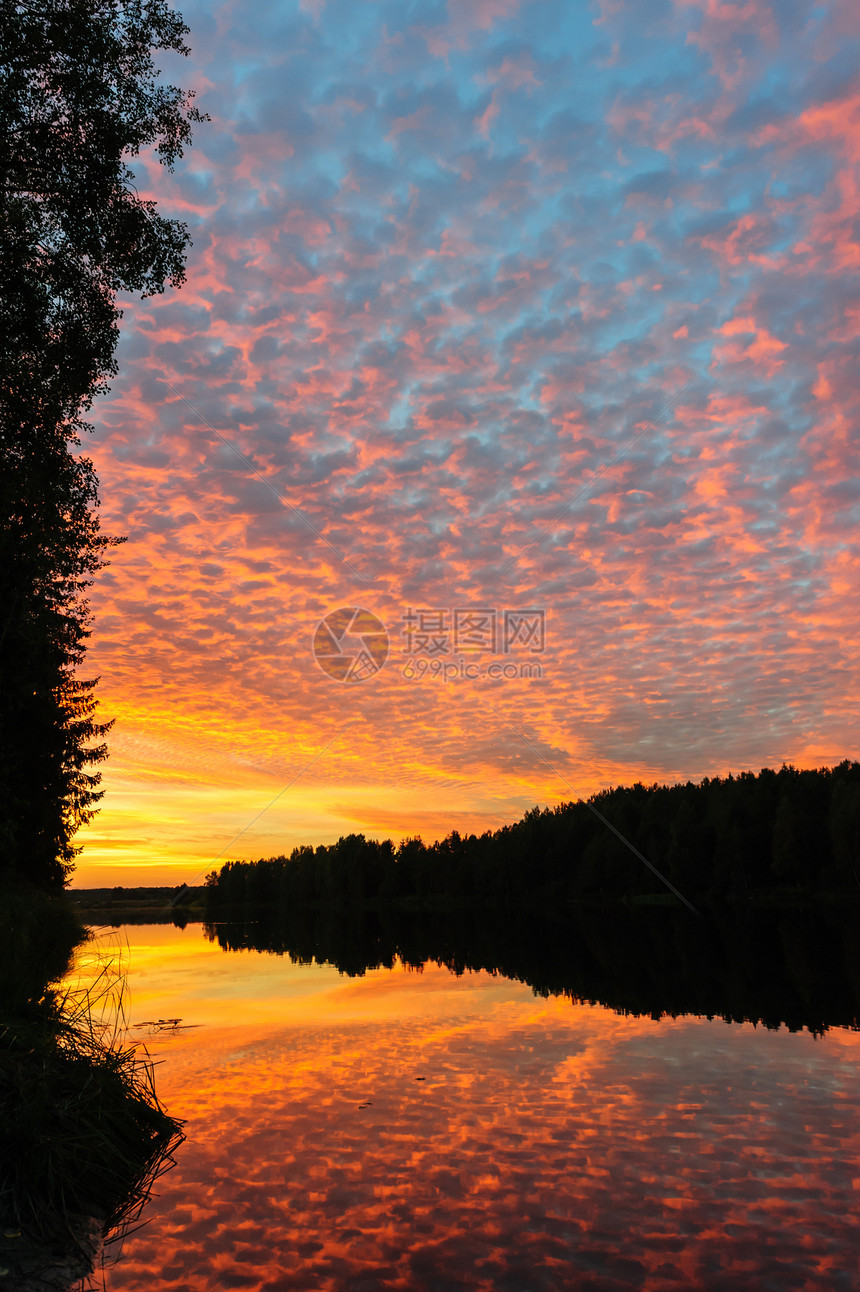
<point x="550" y="1144"/>
<point x="791" y="968"/>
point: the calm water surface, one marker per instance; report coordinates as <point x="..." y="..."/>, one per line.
<point x="426" y="1131"/>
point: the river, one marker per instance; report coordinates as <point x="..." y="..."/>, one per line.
<point x="422" y="1129"/>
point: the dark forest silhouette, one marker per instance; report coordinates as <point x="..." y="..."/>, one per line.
<point x="82" y="1134"/>
<point x="79" y="96"/>
<point x="790" y="832"/>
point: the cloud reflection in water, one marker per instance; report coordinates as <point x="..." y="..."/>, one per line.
<point x="550" y="1145"/>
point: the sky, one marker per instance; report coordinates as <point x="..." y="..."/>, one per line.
<point x="519" y="345"/>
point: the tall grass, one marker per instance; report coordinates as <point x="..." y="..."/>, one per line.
<point x="83" y="1135"/>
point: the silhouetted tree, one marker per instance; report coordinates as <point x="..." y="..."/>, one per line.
<point x="79" y="97"/>
<point x="844" y="821"/>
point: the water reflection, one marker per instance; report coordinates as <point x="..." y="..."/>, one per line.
<point x="419" y="1130"/>
<point x="792" y="968"/>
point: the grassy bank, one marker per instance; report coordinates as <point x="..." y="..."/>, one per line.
<point x="82" y="1133"/>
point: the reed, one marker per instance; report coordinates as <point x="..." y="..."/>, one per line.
<point x="83" y="1135"/>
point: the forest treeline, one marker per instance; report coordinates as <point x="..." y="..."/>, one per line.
<point x="790" y="831"/>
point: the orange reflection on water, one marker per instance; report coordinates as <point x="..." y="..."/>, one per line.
<point x="407" y="1130"/>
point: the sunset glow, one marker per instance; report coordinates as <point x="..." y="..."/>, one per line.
<point x="497" y="305"/>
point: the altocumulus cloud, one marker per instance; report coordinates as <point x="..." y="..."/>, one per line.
<point x="449" y="259"/>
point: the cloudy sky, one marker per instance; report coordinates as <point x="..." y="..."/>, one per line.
<point x="493" y="307"/>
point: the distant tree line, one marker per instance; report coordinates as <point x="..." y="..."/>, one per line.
<point x="787" y="830"/>
<point x="79" y="96"/>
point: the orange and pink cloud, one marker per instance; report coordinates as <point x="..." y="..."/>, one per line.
<point x="500" y="305"/>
